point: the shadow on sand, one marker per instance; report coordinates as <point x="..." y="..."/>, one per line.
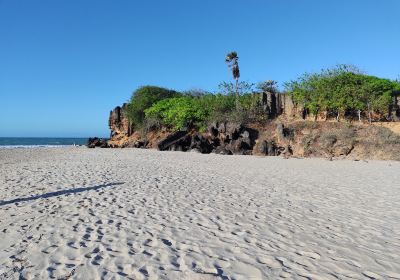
<point x="58" y="193"/>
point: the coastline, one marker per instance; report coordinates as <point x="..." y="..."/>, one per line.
<point x="36" y="146"/>
<point x="172" y="215"/>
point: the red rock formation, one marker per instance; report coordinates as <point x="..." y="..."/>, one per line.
<point x="119" y="123"/>
<point x="121" y="129"/>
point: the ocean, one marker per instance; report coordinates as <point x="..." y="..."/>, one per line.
<point x="33" y="142"/>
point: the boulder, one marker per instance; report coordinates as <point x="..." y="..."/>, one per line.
<point x="177" y="141"/>
<point x="200" y="143"/>
<point x="232" y="131"/>
<point x="234" y="137"/>
<point x="237" y="147"/>
<point x="261" y="148"/>
<point x="221" y="150"/>
<point x="97" y="142"/>
<point x="213" y="129"/>
<point x="271" y="149"/>
<point x="266" y="148"/>
<point x="139" y="144"/>
<point x="280" y="131"/>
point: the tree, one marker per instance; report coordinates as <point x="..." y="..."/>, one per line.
<point x="143" y="98"/>
<point x="232" y="61"/>
<point x="241" y="88"/>
<point x="377" y="94"/>
<point x="268" y="86"/>
<point x="343" y="90"/>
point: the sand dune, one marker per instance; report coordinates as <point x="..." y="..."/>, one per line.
<point x="76" y="213"/>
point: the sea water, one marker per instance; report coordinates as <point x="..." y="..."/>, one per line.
<point x="34" y="142"/>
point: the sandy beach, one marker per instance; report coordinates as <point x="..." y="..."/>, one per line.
<point x="77" y="213"/>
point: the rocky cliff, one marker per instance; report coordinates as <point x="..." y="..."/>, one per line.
<point x="120" y="127"/>
<point x="283" y="134"/>
<point x="273" y="106"/>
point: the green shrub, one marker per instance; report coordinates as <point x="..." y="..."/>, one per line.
<point x="181" y="112"/>
<point x="218" y="103"/>
<point x="178" y="113"/>
<point x="341" y="90"/>
<point x="143" y="98"/>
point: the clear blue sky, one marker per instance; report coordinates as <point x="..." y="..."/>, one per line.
<point x="65" y="64"/>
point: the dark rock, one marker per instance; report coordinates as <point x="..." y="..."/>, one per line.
<point x="139" y="144"/>
<point x="221" y="127"/>
<point x="247" y="139"/>
<point x="284" y="132"/>
<point x="271" y="149"/>
<point x="232" y="130"/>
<point x="245" y="134"/>
<point x="234" y="137"/>
<point x="267" y="148"/>
<point x="262" y="148"/>
<point x="97" y="142"/>
<point x="213" y="129"/>
<point x="92" y="142"/>
<point x="239" y="147"/>
<point x="284" y="151"/>
<point x="200" y="143"/>
<point x="178" y="141"/>
<point x="221" y="150"/>
<point x="280" y="131"/>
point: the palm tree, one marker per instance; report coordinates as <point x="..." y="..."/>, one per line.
<point x="232" y="61"/>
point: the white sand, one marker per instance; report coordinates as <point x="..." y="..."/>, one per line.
<point x="171" y="215"/>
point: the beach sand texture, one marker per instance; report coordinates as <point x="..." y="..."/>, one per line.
<point x="77" y="213"/>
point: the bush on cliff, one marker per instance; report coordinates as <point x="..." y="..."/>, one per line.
<point x="181" y="112"/>
<point x="343" y="90"/>
<point x="143" y="98"/>
<point x="177" y="113"/>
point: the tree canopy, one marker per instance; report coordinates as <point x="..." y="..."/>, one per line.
<point x="143" y="98"/>
<point x="342" y="90"/>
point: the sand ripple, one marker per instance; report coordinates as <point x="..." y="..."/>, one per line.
<point x="75" y="213"/>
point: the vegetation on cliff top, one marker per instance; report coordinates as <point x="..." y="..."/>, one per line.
<point x="342" y="91"/>
<point x="143" y="98"/>
<point x="181" y="112"/>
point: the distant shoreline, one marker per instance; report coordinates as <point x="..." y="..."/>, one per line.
<point x="36" y="146"/>
<point x="14" y="142"/>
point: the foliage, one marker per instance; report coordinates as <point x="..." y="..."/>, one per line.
<point x="178" y="112"/>
<point x="143" y="98"/>
<point x="268" y="86"/>
<point x="182" y="112"/>
<point x="195" y="92"/>
<point x="232" y="60"/>
<point x="342" y="89"/>
<point x="229" y="88"/>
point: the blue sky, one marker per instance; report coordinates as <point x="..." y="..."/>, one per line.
<point x="65" y="64"/>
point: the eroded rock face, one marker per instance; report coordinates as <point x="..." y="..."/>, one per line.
<point x="178" y="141"/>
<point x="267" y="148"/>
<point x="119" y="123"/>
<point x="232" y="138"/>
<point x="220" y="138"/>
